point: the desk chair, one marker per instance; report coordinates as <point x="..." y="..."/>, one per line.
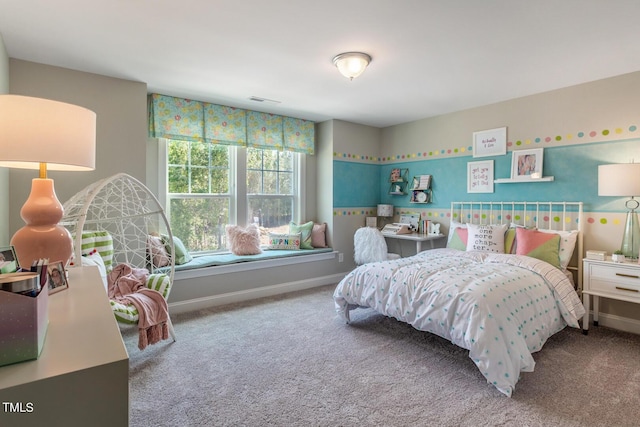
<point x="369" y="246"/>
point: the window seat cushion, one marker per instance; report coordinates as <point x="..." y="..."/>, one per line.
<point x="212" y="260"/>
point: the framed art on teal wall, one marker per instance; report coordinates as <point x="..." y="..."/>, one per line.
<point x="480" y="177"/>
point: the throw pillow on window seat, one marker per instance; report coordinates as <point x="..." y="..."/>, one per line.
<point x="157" y="252"/>
<point x="305" y="230"/>
<point x="319" y="235"/>
<point x="284" y="241"/>
<point x="181" y="254"/>
<point x="243" y="241"/>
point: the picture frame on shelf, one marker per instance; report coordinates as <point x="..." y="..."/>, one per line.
<point x="396" y="175"/>
<point x="490" y="142"/>
<point x="57" y="277"/>
<point x="8" y="260"/>
<point x="480" y="177"/>
<point x="527" y="164"/>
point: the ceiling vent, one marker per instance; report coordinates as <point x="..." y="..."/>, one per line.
<point x="258" y="99"/>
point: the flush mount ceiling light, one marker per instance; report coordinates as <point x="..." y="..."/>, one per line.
<point x="351" y="64"/>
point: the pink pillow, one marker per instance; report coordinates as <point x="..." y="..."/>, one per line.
<point x="318" y="235"/>
<point x="243" y="241"/>
<point x="536" y="244"/>
<point x="157" y="251"/>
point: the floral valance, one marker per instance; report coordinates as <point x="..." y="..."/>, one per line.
<point x="189" y="120"/>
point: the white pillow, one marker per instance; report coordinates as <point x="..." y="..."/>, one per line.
<point x="486" y="238"/>
<point x="567" y="244"/>
<point x="94" y="258"/>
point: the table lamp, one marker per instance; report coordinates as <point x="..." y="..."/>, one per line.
<point x="385" y="211"/>
<point x="624" y="180"/>
<point x="42" y="134"/>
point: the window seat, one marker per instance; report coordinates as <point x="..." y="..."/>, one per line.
<point x="216" y="260"/>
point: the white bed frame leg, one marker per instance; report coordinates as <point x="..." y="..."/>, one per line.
<point x="350" y="307"/>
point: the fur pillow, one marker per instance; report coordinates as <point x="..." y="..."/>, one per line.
<point x="243" y="241"/>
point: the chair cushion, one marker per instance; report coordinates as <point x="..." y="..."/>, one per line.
<point x="100" y="241"/>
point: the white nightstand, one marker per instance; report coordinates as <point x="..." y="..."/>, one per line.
<point x="615" y="280"/>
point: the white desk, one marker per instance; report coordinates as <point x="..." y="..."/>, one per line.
<point x="416" y="237"/>
<point x="82" y="375"/>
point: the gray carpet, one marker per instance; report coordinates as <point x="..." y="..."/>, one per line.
<point x="290" y="361"/>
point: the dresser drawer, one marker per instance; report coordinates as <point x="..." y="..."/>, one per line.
<point x="614" y="279"/>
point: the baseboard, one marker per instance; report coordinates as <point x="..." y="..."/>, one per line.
<point x="617" y="322"/>
<point x="266" y="291"/>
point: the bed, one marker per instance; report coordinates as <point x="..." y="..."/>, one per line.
<point x="503" y="285"/>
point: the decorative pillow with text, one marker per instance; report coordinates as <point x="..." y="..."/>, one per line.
<point x="284" y="241"/>
<point x="486" y="238"/>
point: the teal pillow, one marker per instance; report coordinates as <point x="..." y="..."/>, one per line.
<point x="305" y="231"/>
<point x="182" y="255"/>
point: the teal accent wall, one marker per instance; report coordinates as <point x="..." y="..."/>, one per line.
<point x="574" y="168"/>
<point x="355" y="184"/>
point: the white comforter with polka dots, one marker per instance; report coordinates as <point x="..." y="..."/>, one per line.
<point x="502" y="308"/>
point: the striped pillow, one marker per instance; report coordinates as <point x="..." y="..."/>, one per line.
<point x="100" y="241"/>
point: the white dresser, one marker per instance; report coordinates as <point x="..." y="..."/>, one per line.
<point x="82" y="375"/>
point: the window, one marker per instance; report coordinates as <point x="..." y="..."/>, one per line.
<point x="203" y="194"/>
<point x="270" y="189"/>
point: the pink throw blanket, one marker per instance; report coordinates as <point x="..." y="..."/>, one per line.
<point x="127" y="285"/>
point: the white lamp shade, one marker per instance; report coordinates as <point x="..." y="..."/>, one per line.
<point x="385" y="210"/>
<point x="351" y="64"/>
<point x="619" y="180"/>
<point x="36" y="130"/>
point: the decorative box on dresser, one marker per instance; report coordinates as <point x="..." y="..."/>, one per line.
<point x="82" y="375"/>
<point x="615" y="280"/>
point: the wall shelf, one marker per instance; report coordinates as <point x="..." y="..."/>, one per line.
<point x="520" y="181"/>
<point x="421" y="191"/>
<point x="398" y="181"/>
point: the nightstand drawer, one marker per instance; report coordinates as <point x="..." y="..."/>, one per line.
<point x="615" y="279"/>
<point x="615" y="272"/>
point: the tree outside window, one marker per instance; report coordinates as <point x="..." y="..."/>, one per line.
<point x="200" y="200"/>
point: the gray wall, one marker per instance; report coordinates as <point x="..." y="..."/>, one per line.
<point x="123" y="146"/>
<point x="121" y="109"/>
<point x="4" y="172"/>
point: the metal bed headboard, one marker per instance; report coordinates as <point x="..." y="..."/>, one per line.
<point x="560" y="216"/>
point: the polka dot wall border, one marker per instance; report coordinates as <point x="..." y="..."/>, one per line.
<point x="582" y="135"/>
<point x="435" y="214"/>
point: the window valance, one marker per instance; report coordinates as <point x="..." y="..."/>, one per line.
<point x="189" y="120"/>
